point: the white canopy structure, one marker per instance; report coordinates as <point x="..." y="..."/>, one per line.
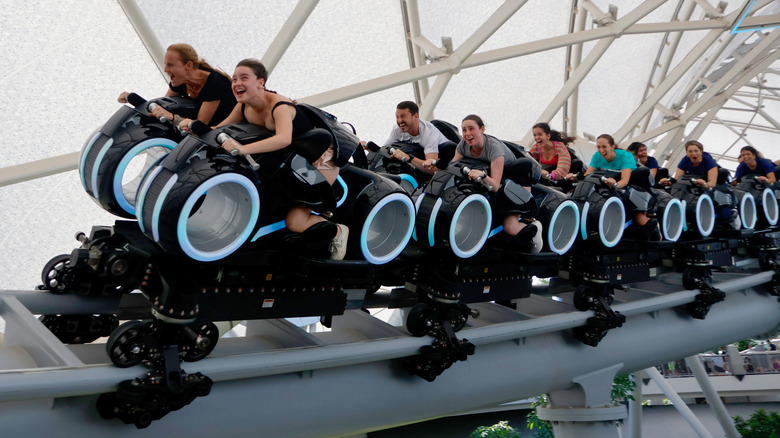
<point x="658" y="71"/>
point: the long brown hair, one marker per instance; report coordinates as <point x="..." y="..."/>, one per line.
<point x="188" y="54"/>
<point x="555" y="135"/>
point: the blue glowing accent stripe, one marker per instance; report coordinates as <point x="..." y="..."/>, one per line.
<point x="96" y="166"/>
<point x="471" y="198"/>
<point x="628" y="223"/>
<point x="141" y="196"/>
<point x="702" y="199"/>
<point x="584" y="220"/>
<point x="346" y="191"/>
<point x="158" y="206"/>
<point x="432" y="221"/>
<point x="417" y="205"/>
<point x="181" y="224"/>
<point x="268" y="229"/>
<point x="410" y="179"/>
<point x="119" y="193"/>
<point x="380" y="260"/>
<point x="768" y="198"/>
<point x="743" y="209"/>
<point x="674" y="203"/>
<point x="742" y="17"/>
<point x="495" y="231"/>
<point x="83" y="158"/>
<point x="685" y="221"/>
<point x="565" y="205"/>
<point x="611" y="200"/>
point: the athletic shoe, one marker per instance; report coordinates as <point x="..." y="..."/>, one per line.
<point x="338" y="246"/>
<point x="536" y="242"/>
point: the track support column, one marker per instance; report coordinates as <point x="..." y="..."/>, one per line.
<point x="586" y="410"/>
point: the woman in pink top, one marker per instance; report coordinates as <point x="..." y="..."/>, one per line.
<point x="550" y="151"/>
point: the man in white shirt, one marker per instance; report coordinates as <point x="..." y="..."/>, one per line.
<point x="410" y="129"/>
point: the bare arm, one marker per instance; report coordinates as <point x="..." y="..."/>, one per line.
<point x="283" y="117"/>
<point x="207" y="110"/>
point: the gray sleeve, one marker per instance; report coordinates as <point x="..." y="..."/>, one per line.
<point x="395" y="136"/>
<point x="431" y="137"/>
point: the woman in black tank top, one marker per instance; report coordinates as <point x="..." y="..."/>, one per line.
<point x="277" y="113"/>
<point x="193" y="78"/>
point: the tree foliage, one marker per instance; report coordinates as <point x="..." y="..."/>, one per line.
<point x="759" y="425"/>
<point x="500" y="430"/>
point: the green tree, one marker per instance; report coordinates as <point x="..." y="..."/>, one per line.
<point x="500" y="430"/>
<point x="760" y="425"/>
<point x="622" y="387"/>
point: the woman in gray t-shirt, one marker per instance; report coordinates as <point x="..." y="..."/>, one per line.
<point x="493" y="152"/>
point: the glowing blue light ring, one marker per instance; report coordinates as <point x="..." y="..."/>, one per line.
<point x="767" y="193"/>
<point x="96" y="166"/>
<point x="610" y="200"/>
<point x="410" y="179"/>
<point x="747" y="197"/>
<point x="140" y="197"/>
<point x="268" y="229"/>
<point x="119" y="194"/>
<point x="674" y="202"/>
<point x="584" y="221"/>
<point x="184" y="214"/>
<point x="158" y="206"/>
<point x="417" y="204"/>
<point x="453" y="245"/>
<point x="566" y="204"/>
<point x="393" y="197"/>
<point x="345" y="189"/>
<point x="83" y="158"/>
<point x="432" y="221"/>
<point x="705" y="198"/>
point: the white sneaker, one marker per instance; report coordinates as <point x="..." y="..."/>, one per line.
<point x="338" y="246"/>
<point x="536" y="242"/>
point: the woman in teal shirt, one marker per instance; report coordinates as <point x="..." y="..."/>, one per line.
<point x="610" y="157"/>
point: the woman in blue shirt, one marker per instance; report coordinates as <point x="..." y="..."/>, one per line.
<point x="640" y="153"/>
<point x="696" y="162"/>
<point x="754" y="164"/>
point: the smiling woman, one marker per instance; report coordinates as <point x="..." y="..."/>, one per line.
<point x="260" y="106"/>
<point x="193" y="78"/>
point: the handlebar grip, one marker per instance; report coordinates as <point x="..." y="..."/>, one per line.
<point x="222" y="137"/>
<point x="392" y="150"/>
<point x="152" y="106"/>
<point x="135" y="100"/>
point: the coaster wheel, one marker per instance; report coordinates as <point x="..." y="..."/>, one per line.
<point x="582" y="298"/>
<point x="458" y="317"/>
<point x="126" y="347"/>
<point x="418" y="321"/>
<point x="205" y="339"/>
<point x="57" y="273"/>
